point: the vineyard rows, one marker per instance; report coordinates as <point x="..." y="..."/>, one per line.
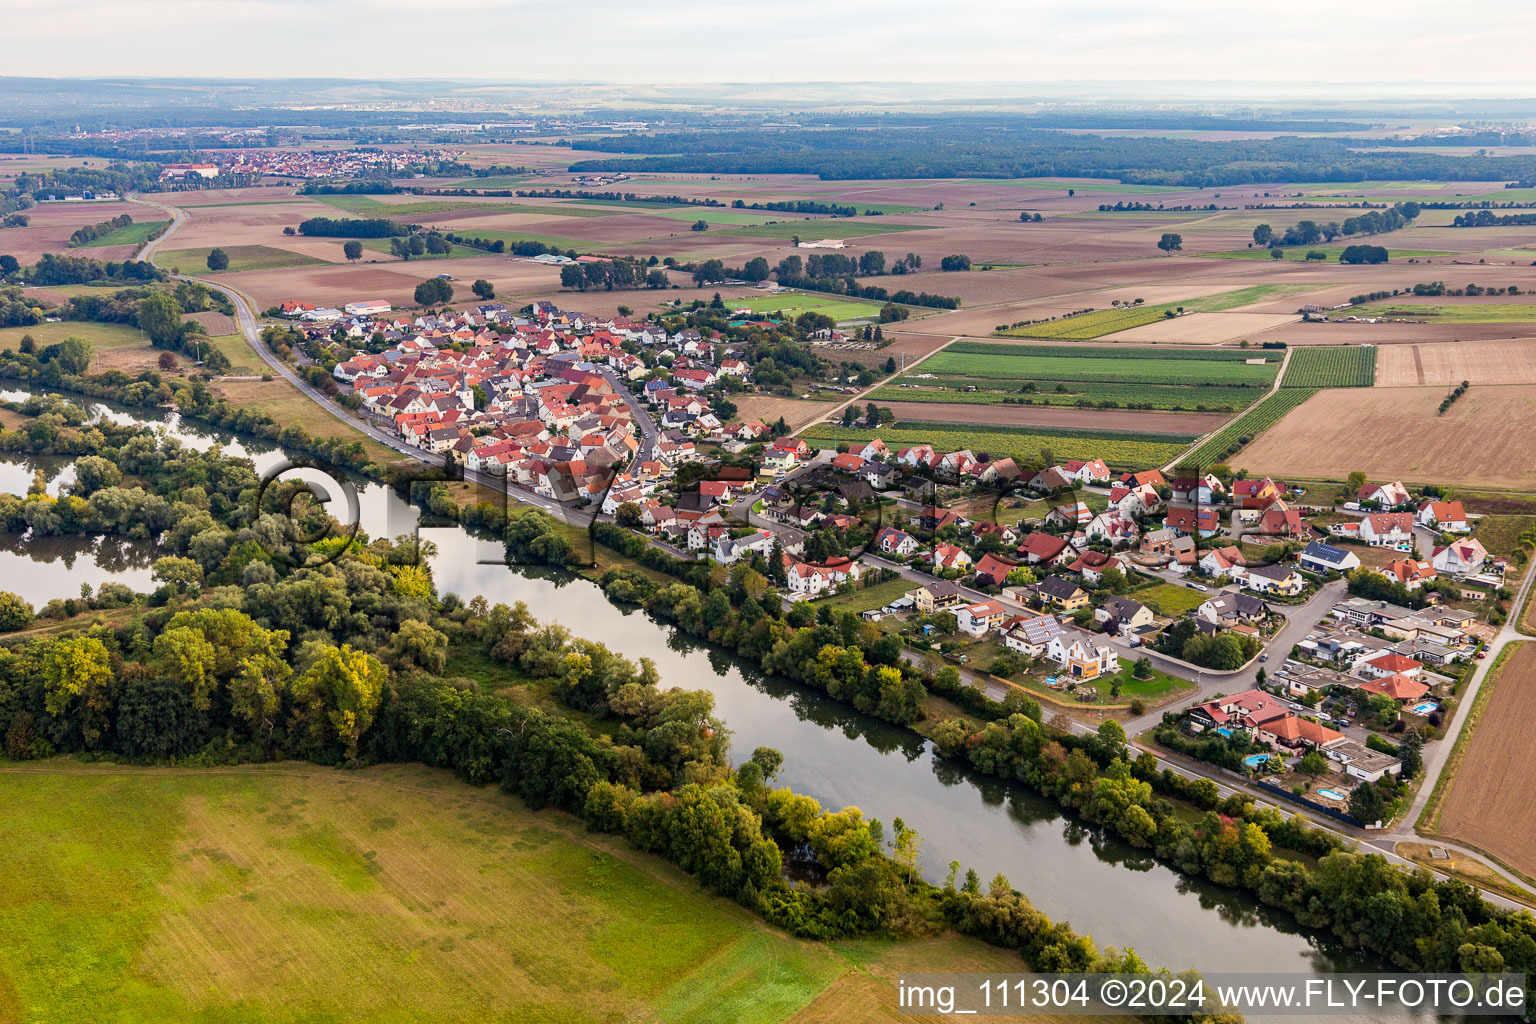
<point x="1352" y="366"/>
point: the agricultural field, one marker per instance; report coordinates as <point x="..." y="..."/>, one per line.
<point x="136" y="233"/>
<point x="814" y="230"/>
<point x="1122" y="450"/>
<point x="1298" y="253"/>
<point x="293" y="892"/>
<point x="368" y="206"/>
<point x="1102" y="396"/>
<point x="1250" y="425"/>
<point x="1330" y="367"/>
<point x="1099" y="323"/>
<point x="103" y="337"/>
<point x="1203" y="328"/>
<point x="1397" y="433"/>
<point x="1491" y="313"/>
<point x="1449" y="363"/>
<point x="1487" y="802"/>
<point x="998" y="361"/>
<point x="194" y="262"/>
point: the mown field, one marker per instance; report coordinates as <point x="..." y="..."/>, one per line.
<point x="194" y="262"/>
<point x="1250" y="425"/>
<point x="1125" y="450"/>
<point x="294" y="893"/>
<point x="1491" y="313"/>
<point x="367" y="206"/>
<point x="1105" y="396"/>
<point x="134" y="234"/>
<point x="794" y="304"/>
<point x="101" y="336"/>
<point x="1106" y="365"/>
<point x="1320" y="366"/>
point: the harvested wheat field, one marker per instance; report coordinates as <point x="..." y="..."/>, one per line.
<point x="1449" y="363"/>
<point x="1204" y="328"/>
<point x="1489" y="803"/>
<point x="1483" y="440"/>
<point x="1058" y="416"/>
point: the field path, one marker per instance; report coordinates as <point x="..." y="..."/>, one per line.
<point x="1195" y="445"/>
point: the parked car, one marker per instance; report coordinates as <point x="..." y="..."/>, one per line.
<point x="1195" y="586"/>
<point x="1264" y="657"/>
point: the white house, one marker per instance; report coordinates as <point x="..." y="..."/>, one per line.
<point x="1445" y="516"/>
<point x="1082" y="655"/>
<point x="1387" y="529"/>
<point x="978" y="619"/>
<point x="1462" y="558"/>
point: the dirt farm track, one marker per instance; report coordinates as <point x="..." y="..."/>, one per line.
<point x="1397" y="433"/>
<point x="1489" y="803"/>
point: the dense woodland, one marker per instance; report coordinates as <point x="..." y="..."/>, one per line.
<point x="958" y="148"/>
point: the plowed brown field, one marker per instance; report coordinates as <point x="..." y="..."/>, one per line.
<point x="1489" y="802"/>
<point x="1395" y="434"/>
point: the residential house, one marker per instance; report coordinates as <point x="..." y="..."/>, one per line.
<point x="1044" y="549"/>
<point x="896" y="542"/>
<point x="1388" y="529"/>
<point x="1412" y="573"/>
<point x="978" y="619"/>
<point x="1157" y="542"/>
<point x="1280" y="520"/>
<point x="1445" y="516"/>
<point x="992" y="571"/>
<point x="1280" y="580"/>
<point x="1032" y="636"/>
<point x="937" y="596"/>
<point x="1229" y="609"/>
<point x="1091" y="472"/>
<point x="1227" y="561"/>
<point x="1325" y="558"/>
<point x="1082" y="655"/>
<point x="1204" y="522"/>
<point x="1131" y="615"/>
<point x="1387" y="664"/>
<point x="1061" y="593"/>
<point x="1385" y="495"/>
<point x="1461" y="558"/>
<point x="1092" y="565"/>
<point x="1051" y="478"/>
<point x="1071" y="516"/>
<point x="1112" y="527"/>
<point x="947" y="556"/>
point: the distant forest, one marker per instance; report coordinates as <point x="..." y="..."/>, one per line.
<point x="969" y="149"/>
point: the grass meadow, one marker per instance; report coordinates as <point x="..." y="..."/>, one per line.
<point x="296" y="893"/>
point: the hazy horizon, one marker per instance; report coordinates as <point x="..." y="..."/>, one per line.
<point x="1360" y="45"/>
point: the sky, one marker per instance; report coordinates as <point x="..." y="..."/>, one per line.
<point x="1399" y="43"/>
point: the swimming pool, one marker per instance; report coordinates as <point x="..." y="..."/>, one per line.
<point x="1254" y="760"/>
<point x="1424" y="707"/>
<point x="1224" y="732"/>
<point x="1331" y="794"/>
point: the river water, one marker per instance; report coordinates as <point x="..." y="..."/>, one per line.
<point x="1117" y="894"/>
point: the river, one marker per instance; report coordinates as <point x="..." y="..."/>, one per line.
<point x="1116" y="893"/>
